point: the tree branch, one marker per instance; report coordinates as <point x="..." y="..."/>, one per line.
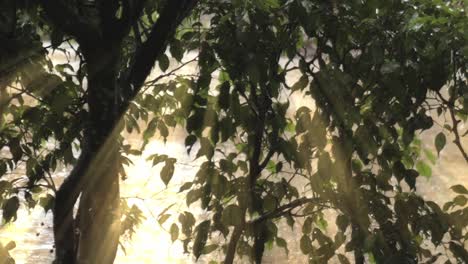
<point x="457" y="141"/>
<point x="145" y="56"/>
<point x="450" y="105"/>
<point x="283" y="209"/>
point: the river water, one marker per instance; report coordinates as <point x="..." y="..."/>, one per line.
<point x="32" y="231"/>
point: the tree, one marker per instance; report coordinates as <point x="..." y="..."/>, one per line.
<point x="374" y="69"/>
<point x="114" y="74"/>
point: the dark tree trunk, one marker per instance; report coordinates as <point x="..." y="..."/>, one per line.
<point x="93" y="238"/>
<point x="99" y="219"/>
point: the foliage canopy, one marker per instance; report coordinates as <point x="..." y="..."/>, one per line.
<point x="377" y="72"/>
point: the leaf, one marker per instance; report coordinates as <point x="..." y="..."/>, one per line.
<point x="189" y="141"/>
<point x="157" y="159"/>
<point x="459" y="251"/>
<point x="206" y="148"/>
<point x="306" y="244"/>
<point x="11" y="245"/>
<point x="187" y="220"/>
<point x="460" y="200"/>
<point x="440" y="141"/>
<point x="459" y="189"/>
<point x="201" y="238"/>
<point x="342" y="222"/>
<point x="195" y="121"/>
<point x="266" y="5"/>
<point x="410" y="178"/>
<point x="163" y="61"/>
<point x="185" y="186"/>
<point x="47" y="202"/>
<point x="62" y="67"/>
<point x="223" y="98"/>
<point x="340" y="238"/>
<point x="174" y="230"/>
<point x="232" y="215"/>
<point x="280" y="242"/>
<point x="430" y="156"/>
<point x="423" y="169"/>
<point x="192" y="196"/>
<point x="208" y="249"/>
<point x="307" y="226"/>
<point x="300" y="84"/>
<point x="322" y="223"/>
<point x="163" y="218"/>
<point x="448" y="205"/>
<point x="10" y="207"/>
<point x="168" y="171"/>
<point x="279" y="167"/>
<point x="176" y="50"/>
<point x="163" y="130"/>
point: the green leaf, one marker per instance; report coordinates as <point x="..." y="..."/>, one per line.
<point x="271" y="167"/>
<point x="266" y="5"/>
<point x="208" y="249"/>
<point x="423" y="169"/>
<point x="192" y="196"/>
<point x="279" y="167"/>
<point x="300" y="84"/>
<point x="459" y="251"/>
<point x="340" y="238"/>
<point x="168" y="171"/>
<point x="47" y="202"/>
<point x="189" y="141"/>
<point x="232" y="215"/>
<point x="11" y="245"/>
<point x="322" y="223"/>
<point x="174" y="231"/>
<point x="430" y="156"/>
<point x="447" y="206"/>
<point x="280" y="242"/>
<point x="206" y="148"/>
<point x="10" y="207"/>
<point x="62" y="67"/>
<point x="342" y="222"/>
<point x="306" y="244"/>
<point x="440" y="142"/>
<point x="460" y="200"/>
<point x="163" y="130"/>
<point x="459" y="189"/>
<point x="223" y="98"/>
<point x="201" y="238"/>
<point x="163" y="218"/>
<point x="176" y="50"/>
<point x="185" y="186"/>
<point x="307" y="226"/>
<point x="157" y="159"/>
<point x="163" y="61"/>
<point x="187" y="220"/>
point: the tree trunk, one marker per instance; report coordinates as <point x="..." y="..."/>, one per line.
<point x="93" y="238"/>
<point x="99" y="218"/>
